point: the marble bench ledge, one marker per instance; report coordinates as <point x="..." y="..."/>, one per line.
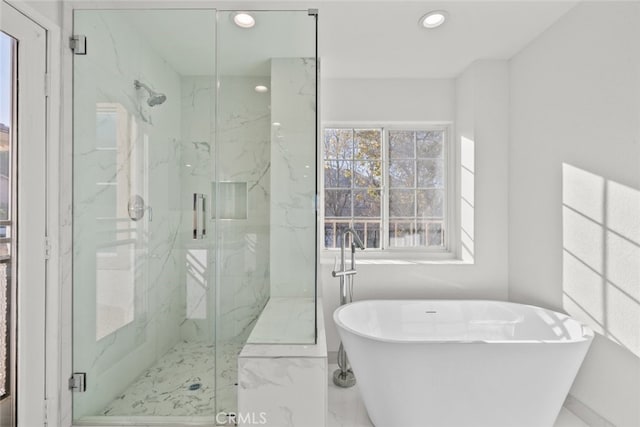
<point x="255" y="349"/>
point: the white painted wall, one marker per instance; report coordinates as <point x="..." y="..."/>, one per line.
<point x="482" y="143"/>
<point x="360" y="100"/>
<point x="574" y="193"/>
<point x="479" y="100"/>
<point x="51" y="9"/>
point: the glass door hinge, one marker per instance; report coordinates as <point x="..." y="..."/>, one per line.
<point x="78" y="44"/>
<point x="78" y="382"/>
<point x="47" y="248"/>
<point x="47" y="85"/>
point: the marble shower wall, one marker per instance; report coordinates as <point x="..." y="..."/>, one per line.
<point x="197" y="153"/>
<point x="293" y="177"/>
<point x="243" y="244"/>
<point x="127" y="274"/>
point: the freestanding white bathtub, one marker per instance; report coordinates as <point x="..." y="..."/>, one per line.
<point x="467" y="363"/>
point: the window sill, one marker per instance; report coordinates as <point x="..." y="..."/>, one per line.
<point x="372" y="257"/>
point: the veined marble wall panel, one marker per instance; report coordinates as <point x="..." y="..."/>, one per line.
<point x="243" y="156"/>
<point x="293" y="177"/>
<point x="243" y="148"/>
<point x="123" y="147"/>
<point x="198" y="136"/>
<point x="282" y="391"/>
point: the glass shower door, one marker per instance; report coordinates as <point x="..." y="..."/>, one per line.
<point x="143" y="309"/>
<point x="265" y="186"/>
<point x="194" y="205"/>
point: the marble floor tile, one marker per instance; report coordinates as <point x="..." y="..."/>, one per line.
<point x="181" y="383"/>
<point x="346" y="408"/>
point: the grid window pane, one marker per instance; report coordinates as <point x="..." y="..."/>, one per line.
<point x="401" y="144"/>
<point x="329" y="234"/>
<point x="367" y="144"/>
<point x="338" y="173"/>
<point x="359" y="227"/>
<point x="341" y="227"/>
<point x="372" y="235"/>
<point x="430" y="203"/>
<point x="8" y="87"/>
<point x="367" y="174"/>
<point x="330" y="175"/>
<point x="337" y="203"/>
<point x="333" y="229"/>
<point x="338" y="144"/>
<point x="7" y="81"/>
<point x="435" y="234"/>
<point x="5" y="306"/>
<point x="401" y="203"/>
<point x="366" y="203"/>
<point x="430" y="173"/>
<point x="402" y="173"/>
<point x="429" y="144"/>
<point x="401" y="234"/>
<point x="428" y="234"/>
<point x="353" y="184"/>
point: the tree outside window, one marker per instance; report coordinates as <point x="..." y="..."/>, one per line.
<point x="389" y="185"/>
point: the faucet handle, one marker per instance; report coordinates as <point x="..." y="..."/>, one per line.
<point x="335" y="263"/>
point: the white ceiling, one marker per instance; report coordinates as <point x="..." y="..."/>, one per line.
<point x="383" y="40"/>
<point x="357" y="39"/>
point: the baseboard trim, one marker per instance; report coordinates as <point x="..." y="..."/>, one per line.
<point x="585" y="413"/>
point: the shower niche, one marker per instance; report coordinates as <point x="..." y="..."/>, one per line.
<point x="194" y="173"/>
<point x="233" y="199"/>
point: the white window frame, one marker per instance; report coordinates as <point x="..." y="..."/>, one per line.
<point x="451" y="247"/>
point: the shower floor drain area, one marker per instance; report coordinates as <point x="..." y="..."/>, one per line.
<point x="195" y="386"/>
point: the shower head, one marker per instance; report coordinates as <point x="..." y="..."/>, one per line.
<point x="155" y="98"/>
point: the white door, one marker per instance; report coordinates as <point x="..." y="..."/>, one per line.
<point x="22" y="218"/>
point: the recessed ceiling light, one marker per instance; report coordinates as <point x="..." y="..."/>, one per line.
<point x="433" y="19"/>
<point x="244" y="20"/>
<point x="261" y="89"/>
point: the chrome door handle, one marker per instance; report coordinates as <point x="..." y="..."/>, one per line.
<point x="204" y="216"/>
<point x="195" y="216"/>
<point x="199" y="225"/>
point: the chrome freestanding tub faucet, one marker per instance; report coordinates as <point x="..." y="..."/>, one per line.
<point x="343" y="376"/>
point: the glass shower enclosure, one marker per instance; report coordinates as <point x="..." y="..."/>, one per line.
<point x="194" y="213"/>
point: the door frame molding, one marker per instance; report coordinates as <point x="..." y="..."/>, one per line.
<point x="51" y="409"/>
